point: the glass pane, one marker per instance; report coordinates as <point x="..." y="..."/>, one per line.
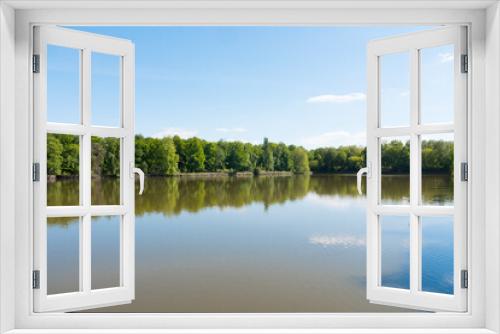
<point x="63" y="169"/>
<point x="395" y="90"/>
<point x="395" y="172"/>
<point x="395" y="252"/>
<point x="437" y="169"/>
<point x="106" y="252"/>
<point x="63" y="84"/>
<point x="106" y="90"/>
<point x="63" y="255"/>
<point x="105" y="164"/>
<point x="437" y="85"/>
<point x="437" y="254"/>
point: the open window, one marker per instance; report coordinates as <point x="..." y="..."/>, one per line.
<point x="84" y="222"/>
<point x="398" y="226"/>
<point x="70" y="70"/>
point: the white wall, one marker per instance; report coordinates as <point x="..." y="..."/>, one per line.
<point x="492" y="211"/>
<point x="7" y="172"/>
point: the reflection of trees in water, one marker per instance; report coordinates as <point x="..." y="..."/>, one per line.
<point x="437" y="189"/>
<point x="63" y="192"/>
<point x="104" y="191"/>
<point x="173" y="195"/>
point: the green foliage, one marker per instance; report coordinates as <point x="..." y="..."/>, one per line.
<point x="437" y="156"/>
<point x="194" y="155"/>
<point x="282" y="157"/>
<point x="343" y="159"/>
<point x="238" y="159"/>
<point x="396" y="157"/>
<point x="70" y="154"/>
<point x="54" y="155"/>
<point x="181" y="152"/>
<point x="156" y="156"/>
<point x="111" y="163"/>
<point x="215" y="157"/>
<point x="171" y="155"/>
<point x="267" y="156"/>
<point x="300" y="161"/>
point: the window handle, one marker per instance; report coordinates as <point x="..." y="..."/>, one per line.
<point x="359" y="175"/>
<point x="135" y="170"/>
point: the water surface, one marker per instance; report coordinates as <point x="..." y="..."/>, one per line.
<point x="256" y="244"/>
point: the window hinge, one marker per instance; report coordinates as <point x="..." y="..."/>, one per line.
<point x="465" y="63"/>
<point x="464" y="279"/>
<point x="36" y="172"/>
<point x="464" y="171"/>
<point x="36" y="63"/>
<point x="36" y="279"/>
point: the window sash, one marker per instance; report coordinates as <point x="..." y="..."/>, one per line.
<point x="86" y="297"/>
<point x="414" y="297"/>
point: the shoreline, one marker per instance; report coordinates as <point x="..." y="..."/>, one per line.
<point x="53" y="178"/>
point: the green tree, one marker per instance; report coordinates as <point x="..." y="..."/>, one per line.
<point x="267" y="156"/>
<point x="70" y="155"/>
<point x="194" y="155"/>
<point x="180" y="148"/>
<point x="171" y="157"/>
<point x="54" y="155"/>
<point x="111" y="163"/>
<point x="161" y="156"/>
<point x="300" y="161"/>
<point x="141" y="153"/>
<point x="282" y="158"/>
<point x="437" y="156"/>
<point x="238" y="159"/>
<point x="210" y="150"/>
<point x="98" y="155"/>
<point x="396" y="157"/>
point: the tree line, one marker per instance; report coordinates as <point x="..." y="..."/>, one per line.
<point x="174" y="155"/>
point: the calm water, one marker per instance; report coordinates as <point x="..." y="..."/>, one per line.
<point x="265" y="244"/>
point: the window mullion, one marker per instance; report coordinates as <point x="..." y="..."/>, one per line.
<point x="85" y="175"/>
<point x="414" y="172"/>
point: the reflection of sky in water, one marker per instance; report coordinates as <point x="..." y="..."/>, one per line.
<point x="303" y="253"/>
<point x="437" y="254"/>
<point x="395" y="251"/>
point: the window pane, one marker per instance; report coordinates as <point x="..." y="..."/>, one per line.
<point x="106" y="252"/>
<point x="437" y="169"/>
<point x="437" y="85"/>
<point x="395" y="252"/>
<point x="63" y="169"/>
<point x="437" y="254"/>
<point x="395" y="90"/>
<point x="106" y="90"/>
<point x="395" y="178"/>
<point x="63" y="84"/>
<point x="105" y="164"/>
<point x="63" y="255"/>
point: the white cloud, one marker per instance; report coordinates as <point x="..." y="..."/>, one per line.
<point x="345" y="241"/>
<point x="445" y="57"/>
<point x="331" y="98"/>
<point x="231" y="130"/>
<point x="169" y="132"/>
<point x="405" y="93"/>
<point x="334" y="138"/>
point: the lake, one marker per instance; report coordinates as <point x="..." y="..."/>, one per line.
<point x="249" y="244"/>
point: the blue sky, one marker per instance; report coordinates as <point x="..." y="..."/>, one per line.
<point x="298" y="85"/>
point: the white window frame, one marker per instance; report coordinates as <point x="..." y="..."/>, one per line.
<point x="16" y="20"/>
